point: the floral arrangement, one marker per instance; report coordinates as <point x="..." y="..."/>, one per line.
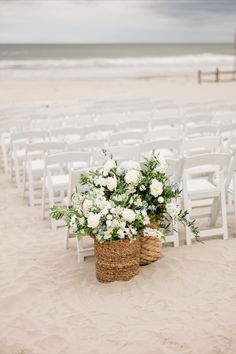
<point x="121" y="200"/>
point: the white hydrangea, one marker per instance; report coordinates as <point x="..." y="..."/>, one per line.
<point x="128" y="215"/>
<point x="156" y="188"/>
<point x="132" y="176"/>
<point x="128" y="165"/>
<point x="150" y="232"/>
<point x="160" y="200"/>
<point x="87" y="204"/>
<point x="100" y="181"/>
<point x="93" y="220"/>
<point x="111" y="183"/>
<point x="173" y="210"/>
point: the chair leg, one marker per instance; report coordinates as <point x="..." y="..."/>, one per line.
<point x="224" y="215"/>
<point x="80" y="255"/>
<point x="67" y="234"/>
<point x="215" y="209"/>
<point x="31" y="189"/>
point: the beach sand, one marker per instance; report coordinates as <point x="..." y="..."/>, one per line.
<point x="50" y="304"/>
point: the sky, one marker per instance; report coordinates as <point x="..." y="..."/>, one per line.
<point x="117" y="21"/>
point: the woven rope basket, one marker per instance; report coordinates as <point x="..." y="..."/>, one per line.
<point x="150" y="247"/>
<point x="118" y="260"/>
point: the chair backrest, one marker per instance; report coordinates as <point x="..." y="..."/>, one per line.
<point x="135" y="125"/>
<point x="122" y="153"/>
<point x="197" y="119"/>
<point x="169" y="122"/>
<point x="46" y="147"/>
<point x="126" y="138"/>
<point x="87" y="145"/>
<point x="96" y="131"/>
<point x="223" y="118"/>
<point x="67" y="160"/>
<point x="164" y="133"/>
<point x="66" y="134"/>
<point x="201" y="130"/>
<point x="167" y="147"/>
<point x="217" y="159"/>
<point x="196" y="146"/>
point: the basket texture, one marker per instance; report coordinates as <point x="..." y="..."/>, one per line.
<point x="150" y="249"/>
<point x="118" y="260"/>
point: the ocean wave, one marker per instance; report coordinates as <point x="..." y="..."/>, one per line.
<point x="117" y="67"/>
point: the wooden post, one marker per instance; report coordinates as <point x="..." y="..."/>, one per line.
<point x="217" y="75"/>
<point x="199" y="76"/>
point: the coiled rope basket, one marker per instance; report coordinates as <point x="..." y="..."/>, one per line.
<point x="150" y="248"/>
<point x="118" y="260"/>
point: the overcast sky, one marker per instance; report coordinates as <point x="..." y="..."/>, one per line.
<point x="102" y="21"/>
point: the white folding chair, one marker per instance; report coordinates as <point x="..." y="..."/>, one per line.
<point x="85" y="246"/>
<point x="201" y="189"/>
<point x="99" y="131"/>
<point x="34" y="166"/>
<point x="56" y="180"/>
<point x="67" y="134"/>
<point x="18" y="142"/>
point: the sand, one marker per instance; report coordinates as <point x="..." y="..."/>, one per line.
<point x="50" y="304"/>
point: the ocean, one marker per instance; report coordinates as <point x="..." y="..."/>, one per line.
<point x="76" y="61"/>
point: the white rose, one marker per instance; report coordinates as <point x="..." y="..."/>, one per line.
<point x="132" y="176"/>
<point x="160" y="200"/>
<point x="109" y="165"/>
<point x="93" y="220"/>
<point x="111" y="183"/>
<point x="128" y="215"/>
<point x="156" y="188"/>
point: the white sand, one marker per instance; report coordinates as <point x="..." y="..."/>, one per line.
<point x="184" y="303"/>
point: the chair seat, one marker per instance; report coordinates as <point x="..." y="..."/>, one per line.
<point x="201" y="187"/>
<point x="58" y="181"/>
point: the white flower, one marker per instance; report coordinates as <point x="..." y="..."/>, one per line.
<point x="142" y="188"/>
<point x="109" y="165"/>
<point x="132" y="176"/>
<point x="138" y="202"/>
<point x="93" y="220"/>
<point x="109" y="223"/>
<point x="173" y="210"/>
<point x="146" y="220"/>
<point x="143" y="212"/>
<point x="107" y="235"/>
<point x="111" y="183"/>
<point x="109" y="217"/>
<point x="148" y="231"/>
<point x="121" y="233"/>
<point x="128" y="165"/>
<point x="87" y="204"/>
<point x="100" y="181"/>
<point x="160" y="200"/>
<point x="128" y="215"/>
<point x="104" y="211"/>
<point x="156" y="188"/>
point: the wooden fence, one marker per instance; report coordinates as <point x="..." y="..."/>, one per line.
<point x="216" y="76"/>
